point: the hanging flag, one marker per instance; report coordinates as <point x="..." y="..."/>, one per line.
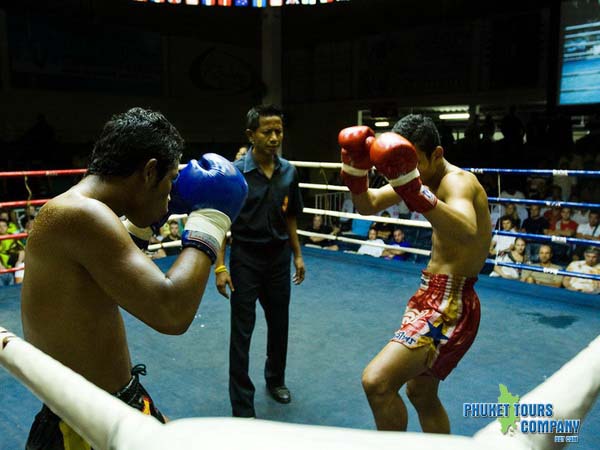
<point x="224" y="2"/>
<point x="208" y="2"/>
<point x="259" y="3"/>
<point x="241" y="3"/>
<point x="276" y="3"/>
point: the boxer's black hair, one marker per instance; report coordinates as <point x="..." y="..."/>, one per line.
<point x="420" y="130"/>
<point x="129" y="140"/>
<point x="256" y="112"/>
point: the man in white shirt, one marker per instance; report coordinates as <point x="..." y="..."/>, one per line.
<point x="511" y="192"/>
<point x="366" y="249"/>
<point x="500" y="243"/>
<point x="590" y="230"/>
<point x="589" y="266"/>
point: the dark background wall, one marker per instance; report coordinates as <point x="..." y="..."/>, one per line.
<point x="77" y="62"/>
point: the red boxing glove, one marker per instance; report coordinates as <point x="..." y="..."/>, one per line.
<point x="396" y="159"/>
<point x="356" y="161"/>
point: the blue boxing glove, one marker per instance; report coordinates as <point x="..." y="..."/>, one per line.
<point x="212" y="192"/>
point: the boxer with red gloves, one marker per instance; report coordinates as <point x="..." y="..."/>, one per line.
<point x="441" y="320"/>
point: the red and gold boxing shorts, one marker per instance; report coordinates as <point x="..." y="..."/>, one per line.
<point x="444" y="316"/>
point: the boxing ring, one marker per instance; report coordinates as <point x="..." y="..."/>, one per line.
<point x="527" y="334"/>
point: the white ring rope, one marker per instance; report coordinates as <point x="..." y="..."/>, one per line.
<point x="317" y="165"/>
<point x="326" y="187"/>
<point x="417" y="251"/>
<point x="107" y="423"/>
<point x="326" y="212"/>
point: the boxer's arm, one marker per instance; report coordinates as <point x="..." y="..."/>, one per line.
<point x="454" y="214"/>
<point x="166" y="302"/>
<point x="375" y="200"/>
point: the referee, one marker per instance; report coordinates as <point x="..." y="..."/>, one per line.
<point x="263" y="240"/>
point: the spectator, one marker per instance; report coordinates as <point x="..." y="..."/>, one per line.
<point x="579" y="215"/>
<point x="520" y="212"/>
<point x="565" y="227"/>
<point x="590" y="266"/>
<point x="552" y="215"/>
<point x="589" y="230"/>
<point x="366" y="249"/>
<point x="319" y="227"/>
<point x="543" y="278"/>
<point x="384" y="230"/>
<point x="500" y="243"/>
<point x="174" y="235"/>
<point x="27" y="227"/>
<point x="511" y="210"/>
<point x="11" y="250"/>
<point x="26" y="222"/>
<point x="6" y="279"/>
<point x="535" y="223"/>
<point x="29" y="213"/>
<point x="516" y="255"/>
<point x="397" y="241"/>
<point x="12" y="227"/>
<point x="241" y="153"/>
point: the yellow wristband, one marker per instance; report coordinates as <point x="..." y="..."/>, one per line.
<point x="221" y="269"/>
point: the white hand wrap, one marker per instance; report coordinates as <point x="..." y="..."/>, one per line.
<point x="404" y="178"/>
<point x="205" y="230"/>
<point x="347" y="168"/>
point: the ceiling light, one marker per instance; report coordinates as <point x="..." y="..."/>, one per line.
<point x="382" y="123"/>
<point x="455" y="116"/>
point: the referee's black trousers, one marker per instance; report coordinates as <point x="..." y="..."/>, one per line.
<point x="260" y="272"/>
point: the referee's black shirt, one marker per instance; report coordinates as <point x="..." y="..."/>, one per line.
<point x="263" y="216"/>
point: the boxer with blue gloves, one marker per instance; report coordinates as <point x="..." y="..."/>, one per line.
<point x="211" y="191"/>
<point x="77" y="282"/>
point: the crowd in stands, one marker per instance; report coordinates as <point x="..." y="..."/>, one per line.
<point x="541" y="144"/>
<point x="12" y="251"/>
<point x="378" y="235"/>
